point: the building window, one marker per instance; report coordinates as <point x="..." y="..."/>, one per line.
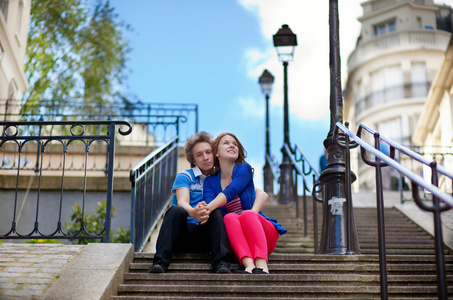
<point x="4" y="8"/>
<point x="13" y="89"/>
<point x="385" y="28"/>
<point x="419" y="80"/>
<point x="419" y="23"/>
<point x="19" y="16"/>
<point x="391" y="129"/>
<point x="386" y="85"/>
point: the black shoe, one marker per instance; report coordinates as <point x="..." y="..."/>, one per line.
<point x="259" y="271"/>
<point x="223" y="269"/>
<point x="156" y="269"/>
<point x="239" y="271"/>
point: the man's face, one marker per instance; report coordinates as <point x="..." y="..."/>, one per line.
<point x="204" y="159"/>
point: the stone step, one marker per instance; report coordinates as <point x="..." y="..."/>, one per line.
<point x="302" y="258"/>
<point x="305" y="267"/>
<point x="220" y="291"/>
<point x="282" y="279"/>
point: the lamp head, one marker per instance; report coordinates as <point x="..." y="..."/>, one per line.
<point x="266" y="80"/>
<point x="285" y="42"/>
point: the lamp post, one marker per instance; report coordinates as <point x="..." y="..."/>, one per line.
<point x="338" y="228"/>
<point x="285" y="42"/>
<point x="266" y="80"/>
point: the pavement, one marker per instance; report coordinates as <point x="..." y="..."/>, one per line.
<point x="57" y="271"/>
<point x="89" y="272"/>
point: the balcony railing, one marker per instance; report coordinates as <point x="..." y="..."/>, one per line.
<point x="398" y="42"/>
<point x="392" y="93"/>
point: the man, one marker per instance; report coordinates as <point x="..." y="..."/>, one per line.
<point x="188" y="225"/>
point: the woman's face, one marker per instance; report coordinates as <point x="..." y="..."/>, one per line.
<point x="228" y="148"/>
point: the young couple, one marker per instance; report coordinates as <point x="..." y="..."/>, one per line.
<point x="215" y="205"/>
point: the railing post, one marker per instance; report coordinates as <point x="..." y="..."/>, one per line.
<point x="438" y="238"/>
<point x="109" y="196"/>
<point x="335" y="237"/>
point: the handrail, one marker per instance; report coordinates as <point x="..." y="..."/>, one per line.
<point x="307" y="187"/>
<point x="271" y="164"/>
<point x="151" y="182"/>
<point x="306" y="158"/>
<point x="382" y="160"/>
<point x="406" y="151"/>
<point x="409" y="174"/>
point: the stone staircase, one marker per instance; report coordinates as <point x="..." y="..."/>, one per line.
<point x="295" y="272"/>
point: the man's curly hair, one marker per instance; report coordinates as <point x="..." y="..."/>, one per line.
<point x="200" y="137"/>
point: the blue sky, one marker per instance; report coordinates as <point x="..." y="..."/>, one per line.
<point x="212" y="52"/>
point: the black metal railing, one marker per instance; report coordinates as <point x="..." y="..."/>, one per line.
<point x="16" y="136"/>
<point x="303" y="169"/>
<point x="441" y="199"/>
<point x="134" y="112"/>
<point x="275" y="171"/>
<point x="151" y="181"/>
<point x="149" y="132"/>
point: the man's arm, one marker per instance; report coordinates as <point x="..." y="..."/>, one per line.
<point x="198" y="212"/>
<point x="260" y="200"/>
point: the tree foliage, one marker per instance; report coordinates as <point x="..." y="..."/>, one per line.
<point x="76" y="50"/>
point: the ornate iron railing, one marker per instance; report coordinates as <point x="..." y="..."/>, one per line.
<point x="151" y="181"/>
<point x="63" y="134"/>
<point x="441" y="199"/>
<point x="135" y="113"/>
<point x="154" y="124"/>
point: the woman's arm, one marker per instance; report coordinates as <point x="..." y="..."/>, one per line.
<point x="260" y="200"/>
<point x="239" y="181"/>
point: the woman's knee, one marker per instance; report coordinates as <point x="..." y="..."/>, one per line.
<point x="247" y="214"/>
<point x="230" y="217"/>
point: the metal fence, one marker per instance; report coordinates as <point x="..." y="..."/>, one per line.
<point x="151" y="181"/>
<point x="48" y="221"/>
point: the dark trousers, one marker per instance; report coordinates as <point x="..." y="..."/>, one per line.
<point x="178" y="236"/>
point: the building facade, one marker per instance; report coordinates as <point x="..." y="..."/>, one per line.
<point x="14" y="20"/>
<point x="398" y="54"/>
<point x="435" y="126"/>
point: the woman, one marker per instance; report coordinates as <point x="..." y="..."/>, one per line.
<point x="251" y="233"/>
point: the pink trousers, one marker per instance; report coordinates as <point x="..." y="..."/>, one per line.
<point x="250" y="235"/>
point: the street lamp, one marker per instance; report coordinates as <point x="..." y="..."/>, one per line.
<point x="338" y="235"/>
<point x="266" y="80"/>
<point x="285" y="42"/>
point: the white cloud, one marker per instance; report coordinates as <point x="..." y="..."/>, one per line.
<point x="308" y="74"/>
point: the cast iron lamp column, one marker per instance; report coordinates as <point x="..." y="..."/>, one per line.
<point x="338" y="228"/>
<point x="285" y="41"/>
<point x="266" y="80"/>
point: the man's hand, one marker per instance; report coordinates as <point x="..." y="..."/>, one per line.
<point x="200" y="212"/>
